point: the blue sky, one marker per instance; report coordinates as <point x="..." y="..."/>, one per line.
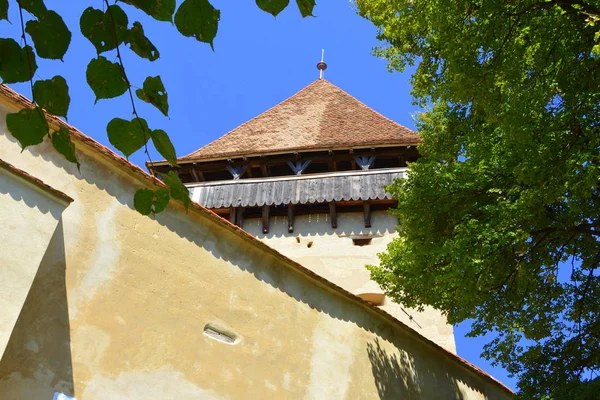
<point x="258" y="61"/>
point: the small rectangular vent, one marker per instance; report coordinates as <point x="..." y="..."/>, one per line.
<point x="361" y="241"/>
<point x="219" y="334"/>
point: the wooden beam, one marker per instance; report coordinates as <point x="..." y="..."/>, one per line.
<point x="367" y="213"/>
<point x="194" y="174"/>
<point x="265" y="218"/>
<point x="291" y="210"/>
<point x="232" y="217"/>
<point x="264" y="170"/>
<point x="201" y="175"/>
<point x="333" y="214"/>
<point x="239" y="214"/>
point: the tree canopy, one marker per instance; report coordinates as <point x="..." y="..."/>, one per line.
<point x="500" y="218"/>
<point x="43" y="33"/>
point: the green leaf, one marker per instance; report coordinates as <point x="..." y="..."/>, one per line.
<point x="3" y="10"/>
<point x="163" y="144"/>
<point x="61" y="140"/>
<point x="306" y="7"/>
<point x="98" y="28"/>
<point x="106" y="78"/>
<point x="273" y="7"/>
<point x="53" y="95"/>
<point x="17" y="64"/>
<point x="198" y="19"/>
<point x="154" y="93"/>
<point x="140" y="44"/>
<point x="50" y="35"/>
<point x="35" y="7"/>
<point x="177" y="188"/>
<point x="147" y="201"/>
<point x="28" y="126"/>
<point x="128" y="136"/>
<point x="161" y="10"/>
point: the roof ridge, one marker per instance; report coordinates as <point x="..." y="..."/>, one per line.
<point x="254" y="118"/>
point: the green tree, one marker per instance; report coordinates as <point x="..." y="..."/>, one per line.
<point x="43" y="33"/>
<point x="500" y="218"/>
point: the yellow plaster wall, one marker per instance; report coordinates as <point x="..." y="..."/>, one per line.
<point x="331" y="254"/>
<point x="119" y="304"/>
<point x="29" y="217"/>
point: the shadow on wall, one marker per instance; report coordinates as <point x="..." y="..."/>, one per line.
<point x="405" y="377"/>
<point x="41" y="337"/>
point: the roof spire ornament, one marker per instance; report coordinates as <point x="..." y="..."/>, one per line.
<point x="321" y="66"/>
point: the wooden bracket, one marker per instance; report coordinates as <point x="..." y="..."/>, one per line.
<point x="291" y="210"/>
<point x="266" y="210"/>
<point x="364" y="162"/>
<point x="236" y="171"/>
<point x="299" y="166"/>
<point x="333" y="214"/>
<point x="367" y="213"/>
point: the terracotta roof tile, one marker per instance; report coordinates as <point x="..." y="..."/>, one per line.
<point x="319" y="117"/>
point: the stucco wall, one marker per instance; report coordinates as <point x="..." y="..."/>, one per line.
<point x="118" y="309"/>
<point x="332" y="254"/>
<point x="28" y="217"/>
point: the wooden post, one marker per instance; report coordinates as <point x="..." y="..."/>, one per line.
<point x="367" y="213"/>
<point x="333" y="214"/>
<point x="232" y="217"/>
<point x="291" y="209"/>
<point x="264" y="170"/>
<point x="239" y="214"/>
<point x="265" y="218"/>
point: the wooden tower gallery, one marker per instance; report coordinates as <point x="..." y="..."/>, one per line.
<point x="308" y="177"/>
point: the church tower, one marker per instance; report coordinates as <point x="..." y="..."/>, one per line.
<point x="307" y="177"/>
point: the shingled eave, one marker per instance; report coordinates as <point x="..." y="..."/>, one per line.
<point x="17" y="101"/>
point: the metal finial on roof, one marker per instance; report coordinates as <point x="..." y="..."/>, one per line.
<point x="321" y="65"/>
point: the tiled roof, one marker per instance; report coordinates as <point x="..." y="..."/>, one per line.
<point x="319" y="117"/>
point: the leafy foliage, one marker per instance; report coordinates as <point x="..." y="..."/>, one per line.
<point x="201" y="24"/>
<point x="61" y="140"/>
<point x="53" y="95"/>
<point x="161" y="10"/>
<point x="148" y="201"/>
<point x="128" y="136"/>
<point x="306" y="7"/>
<point x="163" y="145"/>
<point x="273" y="7"/>
<point x="107" y="30"/>
<point x="140" y="44"/>
<point x="154" y="92"/>
<point x="50" y="35"/>
<point x="177" y="189"/>
<point x="28" y="126"/>
<point x="500" y="218"/>
<point x="4" y="9"/>
<point x="106" y="78"/>
<point x="35" y="7"/>
<point x="18" y="64"/>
